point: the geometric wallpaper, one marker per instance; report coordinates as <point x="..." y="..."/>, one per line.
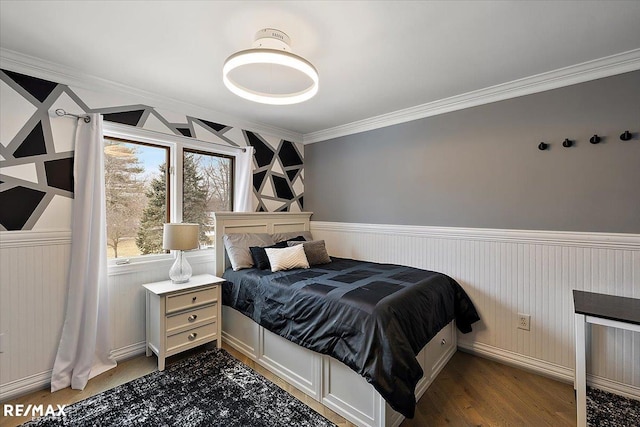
<point x="36" y="150"/>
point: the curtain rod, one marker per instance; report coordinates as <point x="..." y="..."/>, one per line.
<point x="122" y="131"/>
<point x="60" y="112"/>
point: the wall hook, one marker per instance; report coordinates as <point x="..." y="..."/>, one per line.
<point x="567" y="143"/>
<point x="543" y="146"/>
<point x="626" y="135"/>
<point x="595" y="139"/>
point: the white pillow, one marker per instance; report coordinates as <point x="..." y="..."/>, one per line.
<point x="287" y="258"/>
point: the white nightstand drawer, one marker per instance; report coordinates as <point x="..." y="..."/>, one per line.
<point x="181" y="316"/>
<point x="191" y="318"/>
<point x="191" y="299"/>
<point x="191" y="337"/>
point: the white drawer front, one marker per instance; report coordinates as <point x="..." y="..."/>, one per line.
<point x="191" y="318"/>
<point x="345" y="390"/>
<point x="192" y="337"/>
<point x="439" y="346"/>
<point x="187" y="300"/>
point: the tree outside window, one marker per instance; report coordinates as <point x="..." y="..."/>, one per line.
<point x="207" y="188"/>
<point x="130" y="171"/>
<point x="138" y="194"/>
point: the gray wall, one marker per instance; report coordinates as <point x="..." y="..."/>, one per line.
<point x="481" y="167"/>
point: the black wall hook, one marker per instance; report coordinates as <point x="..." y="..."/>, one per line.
<point x="626" y="135"/>
<point x="543" y="146"/>
<point x="595" y="139"/>
<point x="567" y="143"/>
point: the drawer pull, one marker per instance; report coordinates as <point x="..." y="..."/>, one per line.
<point x="194" y="299"/>
<point x="192" y="318"/>
<point x="443" y="342"/>
<point x="192" y="336"/>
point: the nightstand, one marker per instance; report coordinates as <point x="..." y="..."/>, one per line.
<point x="183" y="316"/>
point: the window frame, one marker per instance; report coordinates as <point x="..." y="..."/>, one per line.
<point x="176" y="145"/>
<point x="224" y="156"/>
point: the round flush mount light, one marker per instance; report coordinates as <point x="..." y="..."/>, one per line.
<point x="269" y="73"/>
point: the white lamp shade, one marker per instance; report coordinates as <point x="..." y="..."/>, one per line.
<point x="180" y="236"/>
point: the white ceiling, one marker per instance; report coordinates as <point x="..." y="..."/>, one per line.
<point x="373" y="57"/>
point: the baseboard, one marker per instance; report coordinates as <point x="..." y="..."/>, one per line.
<point x="128" y="352"/>
<point x="547" y="369"/>
<point x="614" y="387"/>
<point x="42" y="380"/>
<point x="25" y="385"/>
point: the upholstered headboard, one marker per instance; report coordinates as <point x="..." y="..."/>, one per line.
<point x="254" y="222"/>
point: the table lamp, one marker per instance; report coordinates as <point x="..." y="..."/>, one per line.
<point x="180" y="237"/>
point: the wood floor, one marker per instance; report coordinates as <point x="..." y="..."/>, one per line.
<point x="470" y="391"/>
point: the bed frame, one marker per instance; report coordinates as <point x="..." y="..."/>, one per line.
<point x="321" y="377"/>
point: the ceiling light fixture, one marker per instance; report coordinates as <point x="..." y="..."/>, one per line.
<point x="269" y="73"/>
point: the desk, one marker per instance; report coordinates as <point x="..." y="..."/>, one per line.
<point x="599" y="309"/>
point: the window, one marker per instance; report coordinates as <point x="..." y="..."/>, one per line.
<point x="207" y="187"/>
<point x="144" y="190"/>
<point x="136" y="193"/>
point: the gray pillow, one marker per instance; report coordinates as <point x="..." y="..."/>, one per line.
<point x="315" y="251"/>
<point x="281" y="237"/>
<point x="237" y="245"/>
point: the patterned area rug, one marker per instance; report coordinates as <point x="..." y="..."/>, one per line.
<point x="214" y="389"/>
<point x="609" y="410"/>
<point x="209" y="389"/>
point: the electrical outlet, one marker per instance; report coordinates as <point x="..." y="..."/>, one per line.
<point x="2" y="342"/>
<point x="524" y="321"/>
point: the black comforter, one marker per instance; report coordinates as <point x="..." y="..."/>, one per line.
<point x="372" y="317"/>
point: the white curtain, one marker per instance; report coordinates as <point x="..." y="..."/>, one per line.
<point x="244" y="180"/>
<point x="84" y="347"/>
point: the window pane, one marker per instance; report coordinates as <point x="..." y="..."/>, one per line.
<point x="207" y="188"/>
<point x="136" y="197"/>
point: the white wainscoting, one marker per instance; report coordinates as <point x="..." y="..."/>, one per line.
<point x="506" y="272"/>
<point x="33" y="284"/>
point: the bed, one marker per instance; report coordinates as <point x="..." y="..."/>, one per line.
<point x="342" y="321"/>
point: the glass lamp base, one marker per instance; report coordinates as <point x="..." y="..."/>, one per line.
<point x="180" y="271"/>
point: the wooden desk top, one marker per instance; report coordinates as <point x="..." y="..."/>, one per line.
<point x="610" y="307"/>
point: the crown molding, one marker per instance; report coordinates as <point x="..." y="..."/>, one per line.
<point x="36" y="67"/>
<point x="591" y="70"/>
